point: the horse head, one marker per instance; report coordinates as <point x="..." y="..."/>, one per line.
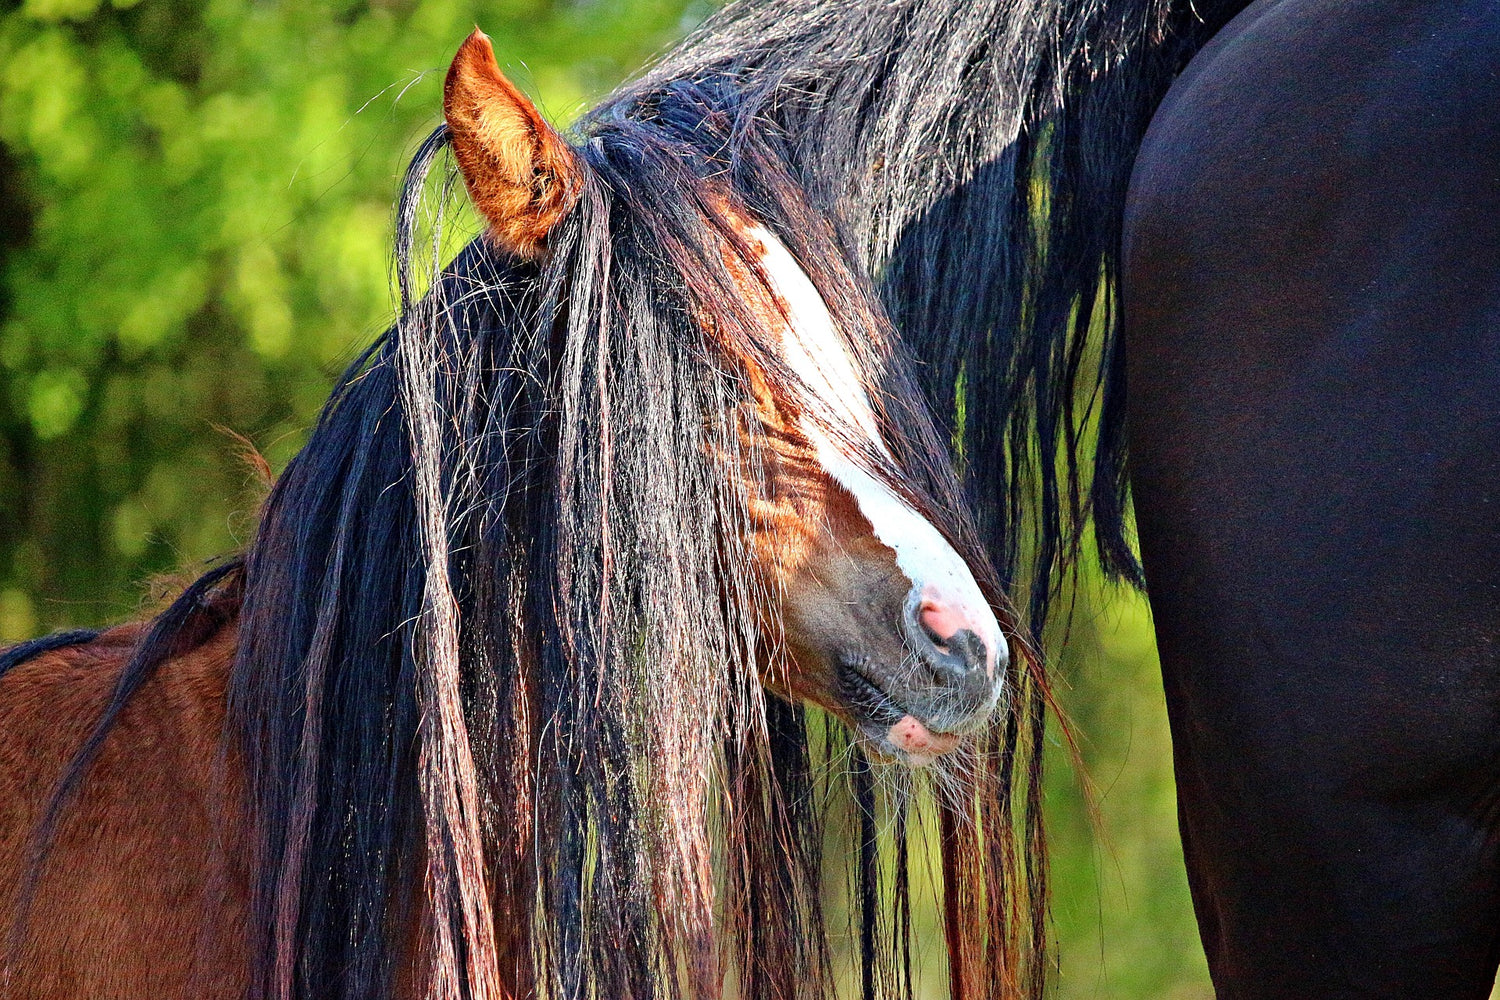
<point x="872" y="612"/>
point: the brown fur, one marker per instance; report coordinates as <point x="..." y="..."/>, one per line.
<point x="521" y="175"/>
<point x="146" y="878"/>
<point x="144" y="893"/>
<point x="812" y="543"/>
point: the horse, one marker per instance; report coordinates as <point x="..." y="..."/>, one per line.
<point x="508" y="695"/>
<point x="1255" y="243"/>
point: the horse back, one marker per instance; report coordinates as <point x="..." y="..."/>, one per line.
<point x="143" y="891"/>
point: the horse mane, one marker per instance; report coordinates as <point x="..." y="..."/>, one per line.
<point x="23" y="651"/>
<point x="497" y="677"/>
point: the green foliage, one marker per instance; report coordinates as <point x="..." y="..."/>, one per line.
<point x="1121" y="909"/>
<point x="196" y="201"/>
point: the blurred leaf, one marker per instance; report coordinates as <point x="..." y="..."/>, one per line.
<point x="201" y="234"/>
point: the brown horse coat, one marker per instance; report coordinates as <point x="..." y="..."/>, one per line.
<point x="144" y="892"/>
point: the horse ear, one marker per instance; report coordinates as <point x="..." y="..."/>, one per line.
<point x="520" y="173"/>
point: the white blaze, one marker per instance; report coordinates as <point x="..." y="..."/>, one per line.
<point x="813" y="348"/>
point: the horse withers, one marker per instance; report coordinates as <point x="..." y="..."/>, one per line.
<point x="481" y="710"/>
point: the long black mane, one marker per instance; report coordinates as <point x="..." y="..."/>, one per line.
<point x="500" y="645"/>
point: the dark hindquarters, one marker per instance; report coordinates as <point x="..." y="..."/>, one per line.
<point x="1314" y="360"/>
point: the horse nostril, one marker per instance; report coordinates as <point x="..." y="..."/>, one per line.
<point x="968" y="647"/>
<point x="951" y="678"/>
<point x="953" y="646"/>
<point x="939" y="622"/>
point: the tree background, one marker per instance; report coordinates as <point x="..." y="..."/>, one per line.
<point x="195" y="222"/>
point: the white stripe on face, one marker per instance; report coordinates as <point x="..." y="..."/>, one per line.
<point x="813" y="349"/>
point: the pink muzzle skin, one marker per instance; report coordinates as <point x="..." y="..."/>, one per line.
<point x="944" y="621"/>
<point x="921" y="745"/>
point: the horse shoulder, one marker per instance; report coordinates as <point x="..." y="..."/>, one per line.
<point x="143" y="892"/>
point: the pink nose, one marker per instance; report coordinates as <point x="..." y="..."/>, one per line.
<point x="955" y="633"/>
<point x="941" y="620"/>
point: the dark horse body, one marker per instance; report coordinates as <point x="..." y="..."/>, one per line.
<point x="1312" y="320"/>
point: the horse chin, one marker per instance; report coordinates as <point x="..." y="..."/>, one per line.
<point x="906" y="706"/>
<point x="898" y="727"/>
<point x="908" y="741"/>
